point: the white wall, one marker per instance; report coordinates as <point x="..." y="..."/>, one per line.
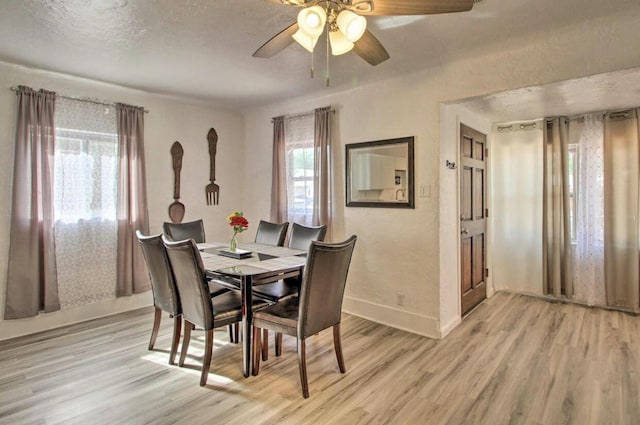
<point x="168" y="120"/>
<point x="400" y="250"/>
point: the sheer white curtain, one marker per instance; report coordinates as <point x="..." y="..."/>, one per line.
<point x="86" y="158"/>
<point x="586" y="135"/>
<point x="299" y="153"/>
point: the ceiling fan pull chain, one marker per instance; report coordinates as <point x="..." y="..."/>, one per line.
<point x="328" y="72"/>
<point x="311" y="70"/>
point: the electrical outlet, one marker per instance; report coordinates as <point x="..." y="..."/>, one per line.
<point x="400" y="299"/>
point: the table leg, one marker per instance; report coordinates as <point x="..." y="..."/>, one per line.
<point x="247" y="317"/>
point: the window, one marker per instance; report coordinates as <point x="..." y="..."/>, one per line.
<point x="85" y="175"/>
<point x="300" y="171"/>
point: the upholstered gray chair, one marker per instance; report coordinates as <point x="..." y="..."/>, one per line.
<point x="195" y="230"/>
<point x="318" y="307"/>
<point x="198" y="307"/>
<point x="181" y="231"/>
<point x="271" y="233"/>
<point x="300" y="238"/>
<point x="163" y="287"/>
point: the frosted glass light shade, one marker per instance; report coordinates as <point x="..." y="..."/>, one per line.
<point x="305" y="40"/>
<point x="312" y="19"/>
<point x="339" y="43"/>
<point x="351" y="25"/>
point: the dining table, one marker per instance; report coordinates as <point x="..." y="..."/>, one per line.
<point x="251" y="265"/>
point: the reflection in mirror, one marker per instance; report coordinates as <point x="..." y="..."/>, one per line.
<point x="380" y="173"/>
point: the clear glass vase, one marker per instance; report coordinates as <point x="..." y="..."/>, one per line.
<point x="234" y="242"/>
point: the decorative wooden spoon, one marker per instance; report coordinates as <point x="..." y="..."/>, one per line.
<point x="176" y="209"/>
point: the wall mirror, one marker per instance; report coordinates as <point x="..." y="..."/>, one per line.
<point x="380" y="173"/>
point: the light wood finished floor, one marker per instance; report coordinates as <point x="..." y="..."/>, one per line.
<point x="514" y="360"/>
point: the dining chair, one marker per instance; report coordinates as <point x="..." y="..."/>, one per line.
<point x="318" y="307"/>
<point x="165" y="295"/>
<point x="195" y="230"/>
<point x="199" y="309"/>
<point x="300" y="238"/>
<point x="180" y="231"/>
<point x="271" y="233"/>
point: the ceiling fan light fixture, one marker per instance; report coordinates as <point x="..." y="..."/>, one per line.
<point x="351" y="25"/>
<point x="339" y="43"/>
<point x="312" y="19"/>
<point x="305" y="40"/>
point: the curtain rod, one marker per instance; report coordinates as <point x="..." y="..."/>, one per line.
<point x="522" y="126"/>
<point x="613" y="113"/>
<point x="83" y="99"/>
<point x="302" y="114"/>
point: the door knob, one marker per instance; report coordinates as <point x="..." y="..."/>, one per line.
<point x="464" y="231"/>
<point x="463" y="217"/>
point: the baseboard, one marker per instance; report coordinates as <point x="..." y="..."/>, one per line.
<point x="393" y="317"/>
<point x="448" y="327"/>
<point x="10" y="329"/>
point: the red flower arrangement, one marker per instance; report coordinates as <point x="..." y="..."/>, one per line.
<point x="239" y="223"/>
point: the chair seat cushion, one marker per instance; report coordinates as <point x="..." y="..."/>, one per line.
<point x="277" y="291"/>
<point x="281" y="317"/>
<point x="227" y="307"/>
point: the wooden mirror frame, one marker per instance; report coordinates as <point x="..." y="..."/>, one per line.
<point x="365" y="147"/>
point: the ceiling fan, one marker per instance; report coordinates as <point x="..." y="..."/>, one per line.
<point x="346" y="24"/>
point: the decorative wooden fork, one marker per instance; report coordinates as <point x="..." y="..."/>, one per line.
<point x="212" y="190"/>
<point x="213" y="193"/>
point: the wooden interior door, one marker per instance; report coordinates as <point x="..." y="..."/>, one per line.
<point x="473" y="217"/>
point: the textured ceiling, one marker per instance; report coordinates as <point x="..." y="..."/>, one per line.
<point x="202" y="48"/>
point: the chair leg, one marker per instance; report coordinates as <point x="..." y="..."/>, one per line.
<point x="188" y="326"/>
<point x="231" y="335"/>
<point x="236" y="329"/>
<point x="278" y="344"/>
<point x="302" y="364"/>
<point x="257" y="351"/>
<point x="265" y="344"/>
<point x="177" y="327"/>
<point x="206" y="362"/>
<point x="156" y="326"/>
<point x="337" y="344"/>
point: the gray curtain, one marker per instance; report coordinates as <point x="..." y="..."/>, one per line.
<point x="132" y="213"/>
<point x="556" y="243"/>
<point x="31" y="278"/>
<point x="621" y="208"/>
<point x="279" y="174"/>
<point x="322" y="169"/>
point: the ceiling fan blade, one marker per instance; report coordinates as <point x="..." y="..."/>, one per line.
<point x="418" y="7"/>
<point x="370" y="49"/>
<point x="277" y="43"/>
<point x="303" y="3"/>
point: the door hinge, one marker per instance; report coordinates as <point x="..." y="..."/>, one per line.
<point x="486" y="212"/>
<point x="486" y="152"/>
<point x="486" y="272"/>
